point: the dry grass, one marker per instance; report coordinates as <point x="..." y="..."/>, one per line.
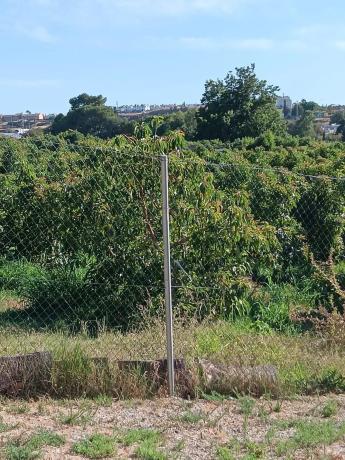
<point x="176" y="429"/>
<point x="305" y="363"/>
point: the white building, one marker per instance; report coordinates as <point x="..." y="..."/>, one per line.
<point x="330" y="129"/>
<point x="284" y="103"/>
<point x="136" y="108"/>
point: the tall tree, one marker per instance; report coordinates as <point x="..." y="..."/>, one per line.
<point x="240" y="105"/>
<point x="85" y="99"/>
<point x="305" y="126"/>
<point x="341" y="129"/>
<point x="309" y="106"/>
<point x="338" y="117"/>
<point x="90" y="115"/>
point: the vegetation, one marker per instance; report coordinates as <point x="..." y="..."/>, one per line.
<point x="90" y="115"/>
<point x="251" y="225"/>
<point x="241" y="105"/>
<point x="139" y="435"/>
<point x="95" y="446"/>
<point x="257" y="240"/>
<point x="30" y="447"/>
<point x="309" y="434"/>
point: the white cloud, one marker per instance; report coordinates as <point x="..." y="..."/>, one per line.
<point x="295" y="45"/>
<point x="36" y="32"/>
<point x="41" y="34"/>
<point x="340" y="44"/>
<point x="312" y="30"/>
<point x="167" y="7"/>
<point x="139" y="8"/>
<point x="211" y="43"/>
<point x="23" y="83"/>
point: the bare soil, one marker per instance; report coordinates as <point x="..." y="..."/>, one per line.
<point x="190" y="429"/>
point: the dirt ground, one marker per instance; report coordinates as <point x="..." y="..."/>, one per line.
<point x="212" y="429"/>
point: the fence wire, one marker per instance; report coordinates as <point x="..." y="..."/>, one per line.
<point x="81" y="246"/>
<point x="255" y="242"/>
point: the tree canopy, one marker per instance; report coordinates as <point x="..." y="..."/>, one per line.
<point x="85" y="99"/>
<point x="90" y="115"/>
<point x="338" y="117"/>
<point x="240" y="105"/>
<point x="305" y="126"/>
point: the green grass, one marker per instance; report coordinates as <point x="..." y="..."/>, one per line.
<point x="6" y="426"/>
<point x="17" y="275"/>
<point x="46" y="438"/>
<point x="247" y="450"/>
<point x="17" y="452"/>
<point x="224" y="453"/>
<point x="148" y="450"/>
<point x="140" y="435"/>
<point x="329" y="409"/>
<point x="103" y="400"/>
<point x="246" y="405"/>
<point x="311" y="434"/>
<point x="18" y="408"/>
<point x="191" y="417"/>
<point x="213" y="396"/>
<point x="339" y="268"/>
<point x="148" y="441"/>
<point x="30" y="447"/>
<point x="81" y="416"/>
<point x="303" y="365"/>
<point x="96" y="446"/>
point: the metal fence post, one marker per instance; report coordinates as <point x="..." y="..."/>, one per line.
<point x="167" y="273"/>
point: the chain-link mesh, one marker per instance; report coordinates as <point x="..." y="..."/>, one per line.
<point x="81" y="251"/>
<point x="81" y="248"/>
<point x="255" y="242"/>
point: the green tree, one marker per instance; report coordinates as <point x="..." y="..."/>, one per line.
<point x="341" y="129"/>
<point x="299" y="109"/>
<point x="179" y="121"/>
<point x="85" y="99"/>
<point x="305" y="126"/>
<point x="240" y="105"/>
<point x="142" y="130"/>
<point x="309" y="106"/>
<point x="156" y="123"/>
<point x="338" y="117"/>
<point x="90" y="115"/>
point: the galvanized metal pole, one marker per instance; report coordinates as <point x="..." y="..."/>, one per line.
<point x="167" y="273"/>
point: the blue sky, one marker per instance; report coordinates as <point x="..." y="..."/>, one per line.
<point x="155" y="51"/>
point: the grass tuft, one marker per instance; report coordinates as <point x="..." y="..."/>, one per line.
<point x="310" y="434"/>
<point x="224" y="453"/>
<point x="329" y="409"/>
<point x="30" y="448"/>
<point x="96" y="446"/>
<point x="139" y="435"/>
<point x="191" y="417"/>
<point x="148" y="450"/>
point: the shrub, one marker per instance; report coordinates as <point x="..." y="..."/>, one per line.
<point x="95" y="446"/>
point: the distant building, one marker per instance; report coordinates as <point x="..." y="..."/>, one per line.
<point x="330" y="129"/>
<point x="22" y="116"/>
<point x="284" y="103"/>
<point x="322" y="114"/>
<point x="136" y="108"/>
<point x="17" y="134"/>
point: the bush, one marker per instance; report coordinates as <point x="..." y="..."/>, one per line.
<point x="85" y="215"/>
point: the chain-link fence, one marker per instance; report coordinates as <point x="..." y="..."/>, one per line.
<point x="82" y="247"/>
<point x="81" y="250"/>
<point x="248" y="234"/>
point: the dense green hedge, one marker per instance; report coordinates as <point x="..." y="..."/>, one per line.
<point x="253" y="231"/>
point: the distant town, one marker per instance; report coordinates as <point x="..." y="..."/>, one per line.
<point x="20" y="124"/>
